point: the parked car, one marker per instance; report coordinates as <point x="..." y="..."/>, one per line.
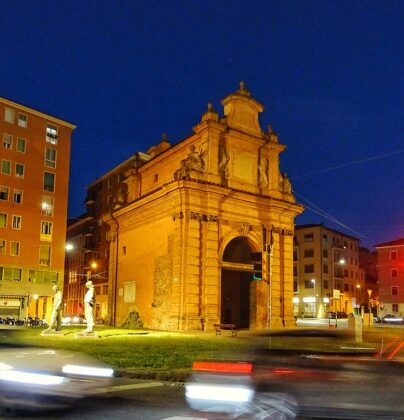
<point x="44" y="378"/>
<point x="74" y="320"/>
<point x="338" y="314"/>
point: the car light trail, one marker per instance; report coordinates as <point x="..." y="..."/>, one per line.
<point x="30" y="378"/>
<point x="88" y="371"/>
<point x="219" y="393"/>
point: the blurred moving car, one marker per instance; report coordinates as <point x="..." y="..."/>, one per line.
<point x="41" y="378"/>
<point x="298" y="384"/>
<point x="391" y="319"/>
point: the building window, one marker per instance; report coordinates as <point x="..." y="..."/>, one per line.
<point x="50" y="157"/>
<point x="394" y="307"/>
<point x="295" y="286"/>
<point x="346" y="287"/>
<point x="17" y="222"/>
<point x="308" y="284"/>
<point x="49" y="182"/>
<point x="43" y="277"/>
<point x="46" y="230"/>
<point x="394" y="272"/>
<point x="2" y="247"/>
<point x="325" y="253"/>
<point x="4" y="193"/>
<point x="325" y="237"/>
<point x="6" y="167"/>
<point x="308" y="253"/>
<point x="309" y="268"/>
<point x="10" y="274"/>
<point x="21" y="145"/>
<point x="44" y="255"/>
<point x="156" y="177"/>
<point x="22" y="120"/>
<point x="295" y="272"/>
<point x="7" y="141"/>
<point x="17" y="197"/>
<point x="325" y="284"/>
<point x="19" y="170"/>
<point x="308" y="237"/>
<point x="394" y="290"/>
<point x="3" y="220"/>
<point x="14" y="248"/>
<point x="9" y="115"/>
<point x="47" y="205"/>
<point x="295" y="255"/>
<point x="51" y="134"/>
<point x="325" y="268"/>
<point x="393" y="255"/>
<point x="109" y="182"/>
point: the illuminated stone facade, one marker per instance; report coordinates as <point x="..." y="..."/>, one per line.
<point x="184" y="225"/>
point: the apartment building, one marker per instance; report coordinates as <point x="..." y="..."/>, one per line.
<point x="87" y="257"/>
<point x="390" y="268"/>
<point x="34" y="179"/>
<point x="327" y="275"/>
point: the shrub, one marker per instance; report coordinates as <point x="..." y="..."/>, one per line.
<point x="133" y="321"/>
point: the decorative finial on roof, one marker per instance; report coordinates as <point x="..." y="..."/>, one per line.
<point x="243" y="89"/>
<point x="210" y="107"/>
<point x="270" y="130"/>
<point x="164" y="136"/>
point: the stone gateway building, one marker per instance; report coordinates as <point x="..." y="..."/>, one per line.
<point x="186" y="227"/>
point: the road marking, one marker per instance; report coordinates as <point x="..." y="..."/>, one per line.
<point x="128" y="387"/>
<point x="395" y="351"/>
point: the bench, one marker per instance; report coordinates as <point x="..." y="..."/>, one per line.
<point x="220" y="327"/>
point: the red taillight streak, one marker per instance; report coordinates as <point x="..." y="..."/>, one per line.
<point x="386" y="347"/>
<point x="220" y="367"/>
<point x="395" y="351"/>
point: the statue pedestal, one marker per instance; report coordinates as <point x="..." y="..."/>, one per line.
<point x="86" y="335"/>
<point x="52" y="332"/>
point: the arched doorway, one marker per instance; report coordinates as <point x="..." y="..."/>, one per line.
<point x="237" y="287"/>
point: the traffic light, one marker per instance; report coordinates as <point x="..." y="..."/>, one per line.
<point x="256" y="258"/>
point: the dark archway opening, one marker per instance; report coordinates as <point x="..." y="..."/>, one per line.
<point x="237" y="303"/>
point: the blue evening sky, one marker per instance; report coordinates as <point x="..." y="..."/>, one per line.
<point x="329" y="73"/>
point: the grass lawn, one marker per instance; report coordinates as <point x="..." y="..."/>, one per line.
<point x="153" y="350"/>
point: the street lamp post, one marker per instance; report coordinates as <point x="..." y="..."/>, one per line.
<point x="315" y="299"/>
<point x="358" y="293"/>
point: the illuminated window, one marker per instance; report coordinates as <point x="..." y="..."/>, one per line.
<point x="46" y="230"/>
<point x="44" y="255"/>
<point x="17" y="197"/>
<point x="17" y="222"/>
<point x="47" y="205"/>
<point x="4" y="193"/>
<point x="5" y="167"/>
<point x="7" y="141"/>
<point x="50" y="157"/>
<point x="9" y="115"/>
<point x="308" y="237"/>
<point x="10" y="274"/>
<point x="14" y="248"/>
<point x="19" y="170"/>
<point x="21" y="145"/>
<point x="3" y="220"/>
<point x="51" y="134"/>
<point x="22" y="120"/>
<point x="43" y="277"/>
<point x="2" y="247"/>
<point x="49" y="181"/>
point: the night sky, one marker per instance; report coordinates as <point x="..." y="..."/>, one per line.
<point x="329" y="73"/>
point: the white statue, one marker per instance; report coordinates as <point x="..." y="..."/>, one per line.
<point x="56" y="317"/>
<point x="89" y="302"/>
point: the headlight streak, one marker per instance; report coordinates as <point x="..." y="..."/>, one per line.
<point x="30" y="378"/>
<point x="88" y="371"/>
<point x="219" y="393"/>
